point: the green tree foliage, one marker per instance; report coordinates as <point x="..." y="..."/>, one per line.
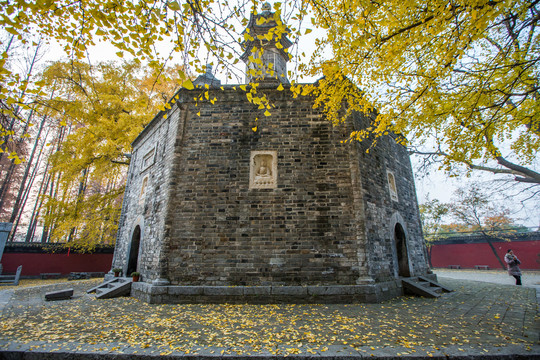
<point x="471" y="213"/>
<point x="474" y="212"/>
<point x="462" y="74"/>
<point x="432" y="215"/>
<point x="102" y="109"/>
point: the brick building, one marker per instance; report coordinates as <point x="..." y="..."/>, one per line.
<point x="215" y="211"/>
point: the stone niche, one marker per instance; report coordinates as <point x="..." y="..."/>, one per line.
<point x="263" y="170"/>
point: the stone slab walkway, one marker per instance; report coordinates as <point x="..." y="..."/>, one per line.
<point x="501" y="277"/>
<point x="479" y="320"/>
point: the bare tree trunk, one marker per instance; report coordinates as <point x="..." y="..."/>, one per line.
<point x="48" y="230"/>
<point x="39" y="200"/>
<point x="47" y="227"/>
<point x="37" y="206"/>
<point x="12" y="123"/>
<point x="6" y="184"/>
<point x="495" y="252"/>
<point x="80" y="195"/>
<point x="23" y="92"/>
<point x="28" y="189"/>
<point x="488" y="240"/>
<point x="22" y="188"/>
<point x="429" y="256"/>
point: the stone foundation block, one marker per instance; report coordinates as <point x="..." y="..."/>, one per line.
<point x="290" y="290"/>
<point x="185" y="290"/>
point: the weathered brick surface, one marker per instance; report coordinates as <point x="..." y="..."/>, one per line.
<point x="147" y="212"/>
<point x="329" y="221"/>
<point x="380" y="211"/>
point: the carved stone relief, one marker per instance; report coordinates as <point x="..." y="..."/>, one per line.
<point x="263" y="170"/>
<point x="392" y="185"/>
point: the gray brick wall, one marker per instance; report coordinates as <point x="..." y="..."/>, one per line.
<point x="329" y="221"/>
<point x="148" y="213"/>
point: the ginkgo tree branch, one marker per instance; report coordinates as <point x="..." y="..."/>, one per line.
<point x="521" y="173"/>
<point x="459" y="72"/>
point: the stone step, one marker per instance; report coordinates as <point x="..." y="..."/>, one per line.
<point x="107" y="283"/>
<point x="444" y="288"/>
<point x="112" y="288"/>
<point x="11" y="279"/>
<point x="121" y="289"/>
<point x="422" y="286"/>
<point x="59" y="295"/>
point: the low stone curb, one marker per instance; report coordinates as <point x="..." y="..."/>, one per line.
<point x="172" y="294"/>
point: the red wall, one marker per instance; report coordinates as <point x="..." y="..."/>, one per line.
<point x="35" y="264"/>
<point x="469" y="255"/>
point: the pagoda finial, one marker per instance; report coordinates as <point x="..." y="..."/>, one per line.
<point x="265" y="47"/>
<point x="207" y="78"/>
<point x="266" y="7"/>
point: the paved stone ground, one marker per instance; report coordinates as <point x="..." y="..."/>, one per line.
<point x="479" y="320"/>
<point x="529" y="278"/>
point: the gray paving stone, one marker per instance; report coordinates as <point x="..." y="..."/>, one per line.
<point x="473" y="306"/>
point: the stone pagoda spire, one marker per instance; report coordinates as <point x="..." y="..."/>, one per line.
<point x="207" y="79"/>
<point x="263" y="38"/>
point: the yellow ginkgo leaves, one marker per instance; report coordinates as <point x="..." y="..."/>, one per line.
<point x="173" y="5"/>
<point x="396" y="326"/>
<point x="455" y="78"/>
<point x="187" y="84"/>
<point x="104" y="110"/>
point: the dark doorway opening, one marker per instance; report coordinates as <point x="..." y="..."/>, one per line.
<point x="134" y="251"/>
<point x="402" y="254"/>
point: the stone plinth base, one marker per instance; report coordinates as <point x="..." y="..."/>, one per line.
<point x="333" y="294"/>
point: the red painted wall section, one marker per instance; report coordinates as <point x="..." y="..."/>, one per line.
<point x="35" y="264"/>
<point x="469" y="255"/>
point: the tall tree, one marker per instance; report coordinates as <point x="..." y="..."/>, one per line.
<point x="105" y="106"/>
<point x="473" y="213"/>
<point x="459" y="79"/>
<point x="188" y="32"/>
<point x="17" y="120"/>
<point x="432" y="214"/>
<point x="463" y="75"/>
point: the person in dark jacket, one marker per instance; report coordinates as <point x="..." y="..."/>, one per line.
<point x="513" y="269"/>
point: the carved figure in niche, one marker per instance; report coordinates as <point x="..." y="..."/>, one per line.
<point x="392" y="185"/>
<point x="263" y="171"/>
<point x="263" y="175"/>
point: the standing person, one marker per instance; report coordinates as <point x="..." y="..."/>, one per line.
<point x="513" y="269"/>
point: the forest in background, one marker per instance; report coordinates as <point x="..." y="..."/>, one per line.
<point x="458" y="80"/>
<point x="76" y="144"/>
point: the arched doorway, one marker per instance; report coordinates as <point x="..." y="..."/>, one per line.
<point x="133" y="257"/>
<point x="402" y="253"/>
